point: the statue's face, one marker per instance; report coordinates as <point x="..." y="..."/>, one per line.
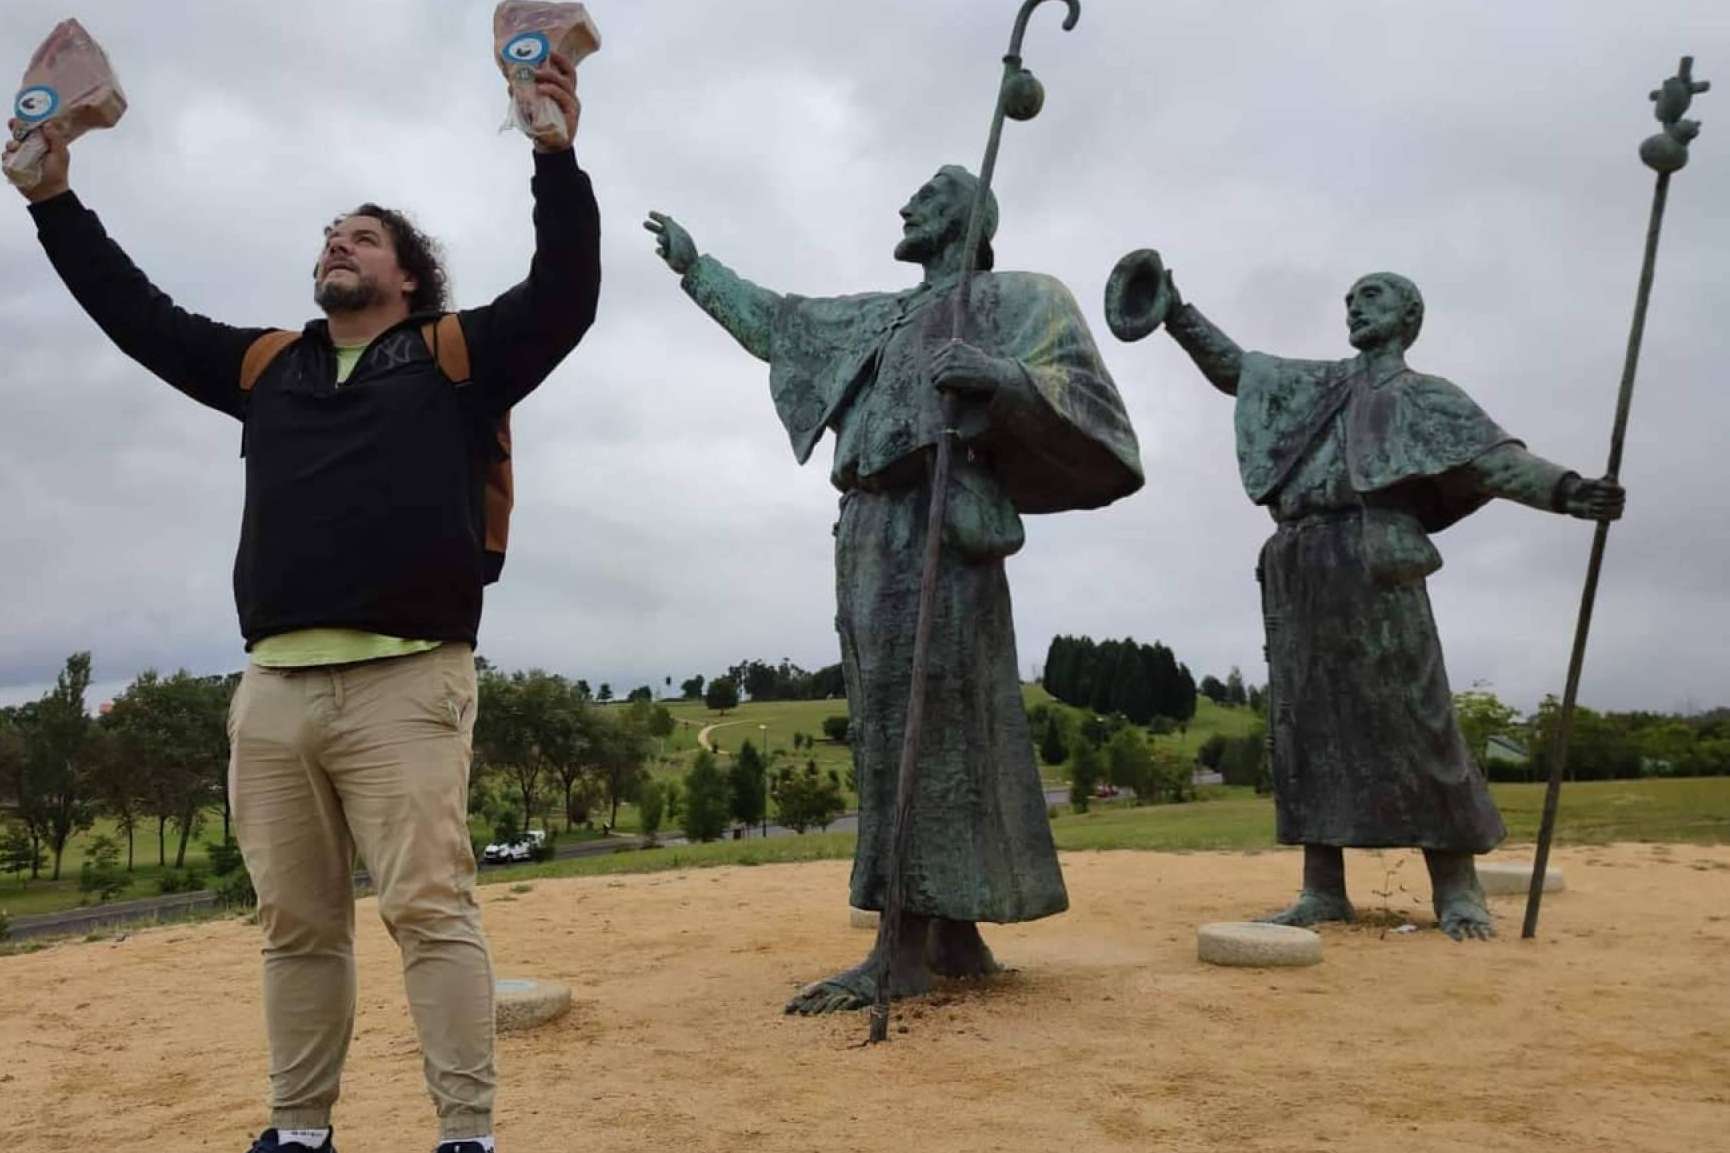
<point x="935" y="218"/>
<point x="1376" y="313"/>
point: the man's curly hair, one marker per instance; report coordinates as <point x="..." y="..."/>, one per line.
<point x="417" y="254"/>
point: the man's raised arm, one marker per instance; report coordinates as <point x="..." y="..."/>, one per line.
<point x="744" y="309"/>
<point x="196" y="355"/>
<point x="516" y="341"/>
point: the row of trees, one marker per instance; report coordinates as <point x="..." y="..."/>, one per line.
<point x="712" y="797"/>
<point x="541" y="735"/>
<point x="158" y="753"/>
<point x="1140" y="682"/>
<point x="762" y="681"/>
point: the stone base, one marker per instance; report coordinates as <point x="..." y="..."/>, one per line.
<point x="1511" y="878"/>
<point x="1251" y="944"/>
<point x="862" y="919"/>
<point x="523" y="1003"/>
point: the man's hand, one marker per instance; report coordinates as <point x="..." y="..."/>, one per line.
<point x="55" y="161"/>
<point x="1596" y="500"/>
<point x="965" y="370"/>
<point x="673" y="244"/>
<point x="556" y="80"/>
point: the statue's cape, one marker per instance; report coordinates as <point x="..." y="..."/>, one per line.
<point x="1403" y="437"/>
<point x="1065" y="442"/>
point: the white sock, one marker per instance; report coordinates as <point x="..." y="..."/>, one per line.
<point x="311" y="1138"/>
<point x="486" y="1143"/>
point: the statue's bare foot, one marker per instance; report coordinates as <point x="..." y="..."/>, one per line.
<point x="1463" y="916"/>
<point x="1313" y="908"/>
<point x="955" y="949"/>
<point x="857" y="989"/>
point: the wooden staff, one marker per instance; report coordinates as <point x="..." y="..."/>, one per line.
<point x="1664" y="153"/>
<point x="1019" y="96"/>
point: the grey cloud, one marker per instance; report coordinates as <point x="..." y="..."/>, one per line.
<point x="1272" y="151"/>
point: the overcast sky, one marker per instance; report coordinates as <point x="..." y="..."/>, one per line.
<point x="1272" y="152"/>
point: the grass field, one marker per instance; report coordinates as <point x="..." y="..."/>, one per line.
<point x="1596" y="812"/>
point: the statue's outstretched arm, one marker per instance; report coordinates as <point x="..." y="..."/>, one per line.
<point x="1511" y="472"/>
<point x="1216" y="354"/>
<point x="742" y="308"/>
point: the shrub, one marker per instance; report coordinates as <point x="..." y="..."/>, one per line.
<point x="808" y="799"/>
<point x="651" y="808"/>
<point x="101" y="874"/>
<point x="836" y="729"/>
<point x="225" y="858"/>
<point x="235" y="891"/>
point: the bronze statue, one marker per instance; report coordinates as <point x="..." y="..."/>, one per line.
<point x="1040" y="429"/>
<point x="1359" y="461"/>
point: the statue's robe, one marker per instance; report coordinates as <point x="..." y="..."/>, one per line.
<point x="1367" y="751"/>
<point x="980" y="845"/>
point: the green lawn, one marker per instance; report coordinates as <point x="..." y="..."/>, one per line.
<point x="1234" y="819"/>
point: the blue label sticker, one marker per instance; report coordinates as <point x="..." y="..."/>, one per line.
<point x="36" y="103"/>
<point x="529" y="48"/>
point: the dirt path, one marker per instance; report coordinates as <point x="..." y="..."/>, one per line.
<point x="1611" y="1033"/>
<point x="703" y="735"/>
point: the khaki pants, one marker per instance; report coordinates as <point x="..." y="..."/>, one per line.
<point x="373" y="756"/>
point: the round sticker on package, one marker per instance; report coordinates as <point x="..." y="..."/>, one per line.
<point x="36" y="103"/>
<point x="528" y="48"/>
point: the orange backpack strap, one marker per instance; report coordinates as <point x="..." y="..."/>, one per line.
<point x="450" y="349"/>
<point x="262" y="351"/>
<point x="444" y="337"/>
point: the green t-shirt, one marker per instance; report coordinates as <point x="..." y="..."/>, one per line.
<point x="306" y="647"/>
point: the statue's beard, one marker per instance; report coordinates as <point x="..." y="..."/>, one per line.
<point x="356" y="295"/>
<point x="1374" y="335"/>
<point x="926" y="245"/>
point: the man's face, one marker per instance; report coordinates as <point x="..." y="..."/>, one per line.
<point x="357" y="267"/>
<point x="1376" y="313"/>
<point x="931" y="221"/>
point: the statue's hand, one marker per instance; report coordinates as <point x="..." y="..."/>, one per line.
<point x="965" y="370"/>
<point x="1596" y="500"/>
<point x="1168" y="299"/>
<point x="673" y="244"/>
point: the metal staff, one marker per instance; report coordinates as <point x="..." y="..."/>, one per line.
<point x="1019" y="97"/>
<point x="1664" y="153"/>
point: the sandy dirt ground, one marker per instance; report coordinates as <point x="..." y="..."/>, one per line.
<point x="1611" y="1032"/>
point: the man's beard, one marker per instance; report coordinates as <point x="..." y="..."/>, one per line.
<point x="355" y="296"/>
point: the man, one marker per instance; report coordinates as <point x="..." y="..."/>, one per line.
<point x="1358" y="460"/>
<point x="1041" y="429"/>
<point x="358" y="582"/>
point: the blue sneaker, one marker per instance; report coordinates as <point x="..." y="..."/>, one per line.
<point x="267" y="1143"/>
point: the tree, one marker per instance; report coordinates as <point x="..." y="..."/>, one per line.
<point x="1085" y="769"/>
<point x="651" y="807"/>
<point x="19" y="852"/>
<point x="171" y="735"/>
<point x="1213" y="689"/>
<point x="101" y="875"/>
<point x="1053" y="744"/>
<point x="706" y="799"/>
<point x="691" y="689"/>
<point x="623" y="749"/>
<point x="722" y="694"/>
<point x="1129" y="764"/>
<point x="1234" y="690"/>
<point x="747" y="786"/>
<point x="808" y="799"/>
<point x="640" y="693"/>
<point x="606" y="693"/>
<point x="523" y="729"/>
<point x="583" y="690"/>
<point x="1482" y="716"/>
<point x="55" y="798"/>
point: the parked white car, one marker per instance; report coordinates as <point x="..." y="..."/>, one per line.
<point x="521" y="848"/>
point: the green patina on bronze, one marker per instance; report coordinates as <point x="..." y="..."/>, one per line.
<point x="1042" y="429"/>
<point x="1358" y="461"/>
